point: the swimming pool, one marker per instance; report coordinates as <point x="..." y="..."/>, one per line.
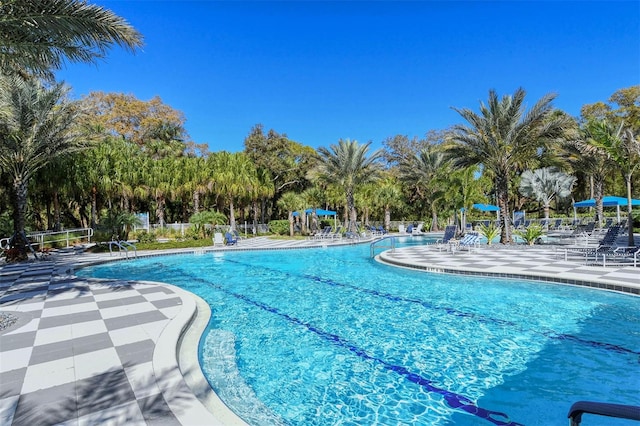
<point x="328" y="336"/>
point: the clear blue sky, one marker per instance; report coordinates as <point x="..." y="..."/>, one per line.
<point x="321" y="71"/>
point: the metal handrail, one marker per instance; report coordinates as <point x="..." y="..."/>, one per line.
<point x="127" y="243"/>
<point x="576" y="411"/>
<point x="374" y="245"/>
<point x="121" y="246"/>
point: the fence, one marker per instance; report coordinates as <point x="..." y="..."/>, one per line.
<point x="53" y="237"/>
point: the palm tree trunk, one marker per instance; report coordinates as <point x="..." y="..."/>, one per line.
<point x="546" y="216"/>
<point x="434" y="219"/>
<point x="56" y="211"/>
<point x="94" y="206"/>
<point x="387" y="217"/>
<point x="232" y="216"/>
<point x="502" y="195"/>
<point x="598" y="186"/>
<point x="351" y="210"/>
<point x="291" y="217"/>
<point x="630" y="241"/>
<point x="20" y="187"/>
<point x="196" y="201"/>
<point x="160" y="210"/>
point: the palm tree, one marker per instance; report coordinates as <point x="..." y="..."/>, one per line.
<point x="425" y="172"/>
<point x="36" y="127"/>
<point x="347" y="165"/>
<point x="618" y="146"/>
<point x="235" y="177"/>
<point x="388" y="194"/>
<point x="503" y="138"/>
<point x="545" y="184"/>
<point x="290" y="202"/>
<point x="36" y="36"/>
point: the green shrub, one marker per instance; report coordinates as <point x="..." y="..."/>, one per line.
<point x="531" y="234"/>
<point x="145" y="237"/>
<point x="490" y="231"/>
<point x="279" y="227"/>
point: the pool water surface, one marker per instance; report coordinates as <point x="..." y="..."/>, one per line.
<point x="330" y="337"/>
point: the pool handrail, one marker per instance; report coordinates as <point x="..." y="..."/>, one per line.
<point x="392" y="244"/>
<point x="630" y="412"/>
<point x="122" y="246"/>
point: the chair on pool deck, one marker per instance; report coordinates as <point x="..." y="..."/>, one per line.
<point x="218" y="239"/>
<point x="449" y="234"/>
<point x="229" y="240"/>
<point x="469" y="242"/>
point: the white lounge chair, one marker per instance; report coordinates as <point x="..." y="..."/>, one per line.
<point x="218" y="239"/>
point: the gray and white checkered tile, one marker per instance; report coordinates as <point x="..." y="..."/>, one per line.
<point x="526" y="262"/>
<point x="84" y="353"/>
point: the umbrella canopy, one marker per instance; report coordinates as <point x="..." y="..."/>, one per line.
<point x="486" y="207"/>
<point x="608" y="201"/>
<point x="319" y="212"/>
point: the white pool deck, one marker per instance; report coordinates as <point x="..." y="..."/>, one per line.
<point x="90" y="351"/>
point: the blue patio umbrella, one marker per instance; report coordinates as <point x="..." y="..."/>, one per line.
<point x="486" y="207"/>
<point x="320" y="212"/>
<point x="608" y="201"/>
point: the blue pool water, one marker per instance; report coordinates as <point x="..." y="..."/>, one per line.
<point x="330" y="337"/>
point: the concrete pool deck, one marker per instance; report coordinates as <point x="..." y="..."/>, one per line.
<point x="90" y="351"/>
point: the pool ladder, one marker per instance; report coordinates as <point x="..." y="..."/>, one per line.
<point x="122" y="245"/>
<point x="386" y="243"/>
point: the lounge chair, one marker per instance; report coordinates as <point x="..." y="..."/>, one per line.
<point x="469" y="242"/>
<point x="381" y="230"/>
<point x="621" y="255"/>
<point x="229" y="240"/>
<point x="418" y="230"/>
<point x="218" y="239"/>
<point x="410" y="229"/>
<point x="449" y="234"/>
<point x="337" y="235"/>
<point x="323" y="233"/>
<point x="557" y="225"/>
<point x="606" y="246"/>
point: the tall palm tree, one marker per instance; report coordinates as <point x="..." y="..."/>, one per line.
<point x="425" y="172"/>
<point x="348" y="165"/>
<point x="36" y="126"/>
<point x="235" y="178"/>
<point x="544" y="185"/>
<point x="388" y="194"/>
<point x="504" y="138"/>
<point x="36" y="36"/>
<point x="620" y="147"/>
<point x="290" y="202"/>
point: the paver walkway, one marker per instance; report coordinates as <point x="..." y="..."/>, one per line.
<point x="89" y="351"/>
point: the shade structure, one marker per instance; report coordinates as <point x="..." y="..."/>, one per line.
<point x="319" y="212"/>
<point x="608" y="201"/>
<point x="486" y="207"/>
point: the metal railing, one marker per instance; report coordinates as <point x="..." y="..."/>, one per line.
<point x="382" y="244"/>
<point x="123" y="246"/>
<point x="52" y="237"/>
<point x="576" y="411"/>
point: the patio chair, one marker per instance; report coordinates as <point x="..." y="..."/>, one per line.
<point x="229" y="240"/>
<point x="620" y="255"/>
<point x="469" y="242"/>
<point x="323" y="233"/>
<point x="218" y="239"/>
<point x="410" y="229"/>
<point x="449" y="234"/>
<point x="556" y="225"/>
<point x="418" y="229"/>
